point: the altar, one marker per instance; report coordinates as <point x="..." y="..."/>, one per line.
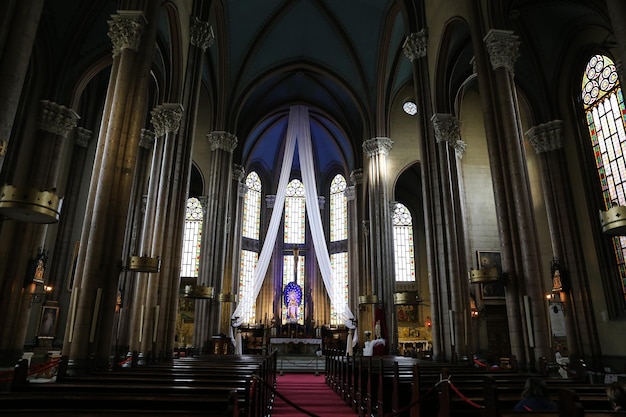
<point x="295" y="345"/>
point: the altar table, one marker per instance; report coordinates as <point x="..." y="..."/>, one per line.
<point x="295" y="345"/>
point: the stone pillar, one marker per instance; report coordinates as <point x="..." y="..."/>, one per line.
<point x="27" y="239"/>
<point x="64" y="245"/>
<point x="92" y="317"/>
<point x="166" y="122"/>
<point x="582" y="336"/>
<point x="214" y="240"/>
<point x="356" y="253"/>
<point x="524" y="295"/>
<point x="202" y="310"/>
<point x="415" y="49"/>
<point x="231" y="281"/>
<point x="617" y="11"/>
<point x="381" y="232"/>
<point x="16" y="44"/>
<point x="456" y="289"/>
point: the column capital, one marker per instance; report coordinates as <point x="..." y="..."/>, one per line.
<point x="83" y="137"/>
<point x="125" y="30"/>
<point x="222" y="140"/>
<point x="547" y="136"/>
<point x="238" y="172"/>
<point x="377" y="146"/>
<point x="350" y="193"/>
<point x="503" y="49"/>
<point x="146" y="140"/>
<point x="270" y="200"/>
<point x="356" y="176"/>
<point x="166" y="118"/>
<point x="57" y="119"/>
<point x="448" y="129"/>
<point x="204" y="202"/>
<point x="242" y="190"/>
<point x="415" y="45"/>
<point x="201" y="34"/>
<point x="321" y="202"/>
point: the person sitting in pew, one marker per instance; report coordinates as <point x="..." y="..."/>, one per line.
<point x="535" y="397"/>
<point x="616" y="394"/>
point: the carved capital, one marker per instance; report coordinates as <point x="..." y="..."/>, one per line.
<point x="238" y="172"/>
<point x="377" y="146"/>
<point x="242" y="189"/>
<point x="125" y="30"/>
<point x="547" y="136"/>
<point x="201" y="33"/>
<point x="222" y="140"/>
<point x="147" y="139"/>
<point x="270" y="200"/>
<point x="83" y="137"/>
<point x="350" y="193"/>
<point x="503" y="49"/>
<point x="356" y="176"/>
<point x="204" y="202"/>
<point x="166" y="118"/>
<point x="415" y="45"/>
<point x="57" y="119"/>
<point x="321" y="202"/>
<point x="448" y="129"/>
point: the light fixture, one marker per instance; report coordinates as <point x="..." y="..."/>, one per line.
<point x="368" y="299"/>
<point x="30" y="205"/>
<point x="199" y="292"/>
<point x="409" y="107"/>
<point x="407" y="298"/>
<point x="478" y="276"/>
<point x="613" y="220"/>
<point x="144" y="264"/>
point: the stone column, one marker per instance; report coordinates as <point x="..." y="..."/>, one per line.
<point x="381" y="232"/>
<point x="27" y="239"/>
<point x="91" y="321"/>
<point x="64" y="244"/>
<point x="447" y="133"/>
<point x="617" y="11"/>
<point x="355" y="254"/>
<point x="524" y="294"/>
<point x="166" y="122"/>
<point x="547" y="139"/>
<point x="16" y="43"/>
<point x="202" y="310"/>
<point x="231" y="280"/>
<point x="214" y="240"/>
<point x="415" y="49"/>
<point x="129" y="285"/>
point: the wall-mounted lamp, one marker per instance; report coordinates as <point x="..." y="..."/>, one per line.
<point x="39" y="297"/>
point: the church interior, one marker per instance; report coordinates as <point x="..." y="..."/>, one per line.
<point x="442" y="180"/>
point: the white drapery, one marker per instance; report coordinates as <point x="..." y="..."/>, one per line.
<point x="298" y="130"/>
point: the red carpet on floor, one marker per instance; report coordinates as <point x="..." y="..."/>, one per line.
<point x="310" y="393"/>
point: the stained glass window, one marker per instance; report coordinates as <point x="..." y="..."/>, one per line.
<point x="404" y="251"/>
<point x="192" y="238"/>
<point x="338" y="209"/>
<point x="252" y="207"/>
<point x="250" y="231"/>
<point x="606" y="117"/>
<point x="339" y="265"/>
<point x="247" y="263"/>
<point x="294" y="212"/>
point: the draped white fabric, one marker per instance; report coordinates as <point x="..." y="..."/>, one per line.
<point x="298" y="130"/>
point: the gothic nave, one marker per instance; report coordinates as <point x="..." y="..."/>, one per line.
<point x="440" y="179"/>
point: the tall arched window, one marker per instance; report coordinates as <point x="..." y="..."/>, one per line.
<point x="293" y="239"/>
<point x="606" y="117"/>
<point x="191" y="239"/>
<point x="404" y="251"/>
<point x="250" y="232"/>
<point x="338" y="239"/>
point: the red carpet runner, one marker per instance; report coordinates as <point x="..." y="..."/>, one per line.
<point x="310" y="393"/>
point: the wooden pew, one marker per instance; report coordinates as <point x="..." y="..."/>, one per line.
<point x="240" y="387"/>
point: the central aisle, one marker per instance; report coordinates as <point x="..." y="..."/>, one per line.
<point x="311" y="393"/>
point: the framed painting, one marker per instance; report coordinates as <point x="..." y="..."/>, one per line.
<point x="48" y="322"/>
<point x="487" y="260"/>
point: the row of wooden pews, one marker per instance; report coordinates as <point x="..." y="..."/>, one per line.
<point x="216" y="385"/>
<point x="401" y="386"/>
